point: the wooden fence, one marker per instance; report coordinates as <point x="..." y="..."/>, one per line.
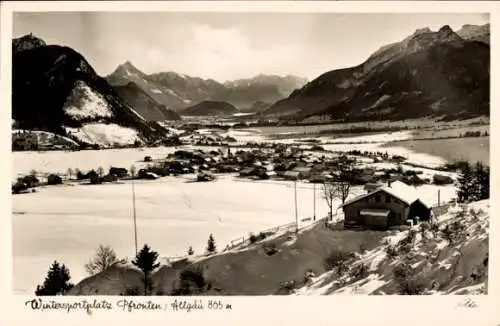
<point x="441" y="209"/>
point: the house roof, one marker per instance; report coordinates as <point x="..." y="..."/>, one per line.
<point x="397" y="189"/>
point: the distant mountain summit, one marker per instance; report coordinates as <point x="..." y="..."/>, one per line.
<point x="177" y="91"/>
<point x="55" y="89"/>
<point x="426" y="74"/>
<point x="209" y="108"/>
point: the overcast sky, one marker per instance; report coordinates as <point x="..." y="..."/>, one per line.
<point x="226" y="46"/>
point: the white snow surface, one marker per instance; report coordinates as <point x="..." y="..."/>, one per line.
<point x="69" y="222"/>
<point x="59" y="161"/>
<point x="105" y="134"/>
<point x="156" y="91"/>
<point x="92" y="104"/>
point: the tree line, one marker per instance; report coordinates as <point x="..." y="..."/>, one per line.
<point x="57" y="281"/>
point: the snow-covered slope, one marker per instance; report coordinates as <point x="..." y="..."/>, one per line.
<point x="450" y="257"/>
<point x="105" y="135"/>
<point x="83" y="102"/>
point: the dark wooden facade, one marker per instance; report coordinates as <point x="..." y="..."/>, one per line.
<point x="381" y="210"/>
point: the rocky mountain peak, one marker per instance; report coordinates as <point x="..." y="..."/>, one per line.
<point x="27" y="42"/>
<point x="445" y="31"/>
<point x="422" y="31"/>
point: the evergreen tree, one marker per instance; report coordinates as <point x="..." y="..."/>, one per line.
<point x="481" y="182"/>
<point x="211" y="248"/>
<point x="190" y="251"/>
<point x="56" y="282"/>
<point x="465" y="183"/>
<point x="145" y="260"/>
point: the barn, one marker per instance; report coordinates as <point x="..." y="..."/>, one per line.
<point x="386" y="206"/>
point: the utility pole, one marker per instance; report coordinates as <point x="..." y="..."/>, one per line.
<point x="439" y="197"/>
<point x="314" y="196"/>
<point x="296" y="211"/>
<point x="135" y="219"/>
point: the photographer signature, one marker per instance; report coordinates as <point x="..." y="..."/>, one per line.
<point x="467" y="303"/>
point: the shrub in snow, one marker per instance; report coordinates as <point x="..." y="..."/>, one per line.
<point x="191" y="282"/>
<point x="286" y="287"/>
<point x="254" y="238"/>
<point x="391" y="251"/>
<point x="132" y="291"/>
<point x="359" y="271"/>
<point x="413" y="286"/>
<point x="454" y="232"/>
<point x="337" y="261"/>
<point x="402" y="272"/>
<point x="271" y="249"/>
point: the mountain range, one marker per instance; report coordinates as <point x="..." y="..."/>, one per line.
<point x="442" y="73"/>
<point x="178" y="91"/>
<point x="429" y="73"/>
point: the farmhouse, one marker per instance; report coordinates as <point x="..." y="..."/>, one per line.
<point x="385" y="206"/>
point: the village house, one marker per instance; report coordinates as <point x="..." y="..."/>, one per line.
<point x="386" y="206"/>
<point x="304" y="172"/>
<point x="291" y="175"/>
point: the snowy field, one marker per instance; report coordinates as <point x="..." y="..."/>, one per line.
<point x="60" y="161"/>
<point x="66" y="223"/>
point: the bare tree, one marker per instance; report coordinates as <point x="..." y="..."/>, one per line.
<point x="104" y="258"/>
<point x="329" y="195"/>
<point x="343" y="189"/>
<point x="337" y="190"/>
<point x="132" y="170"/>
<point x="69" y="173"/>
